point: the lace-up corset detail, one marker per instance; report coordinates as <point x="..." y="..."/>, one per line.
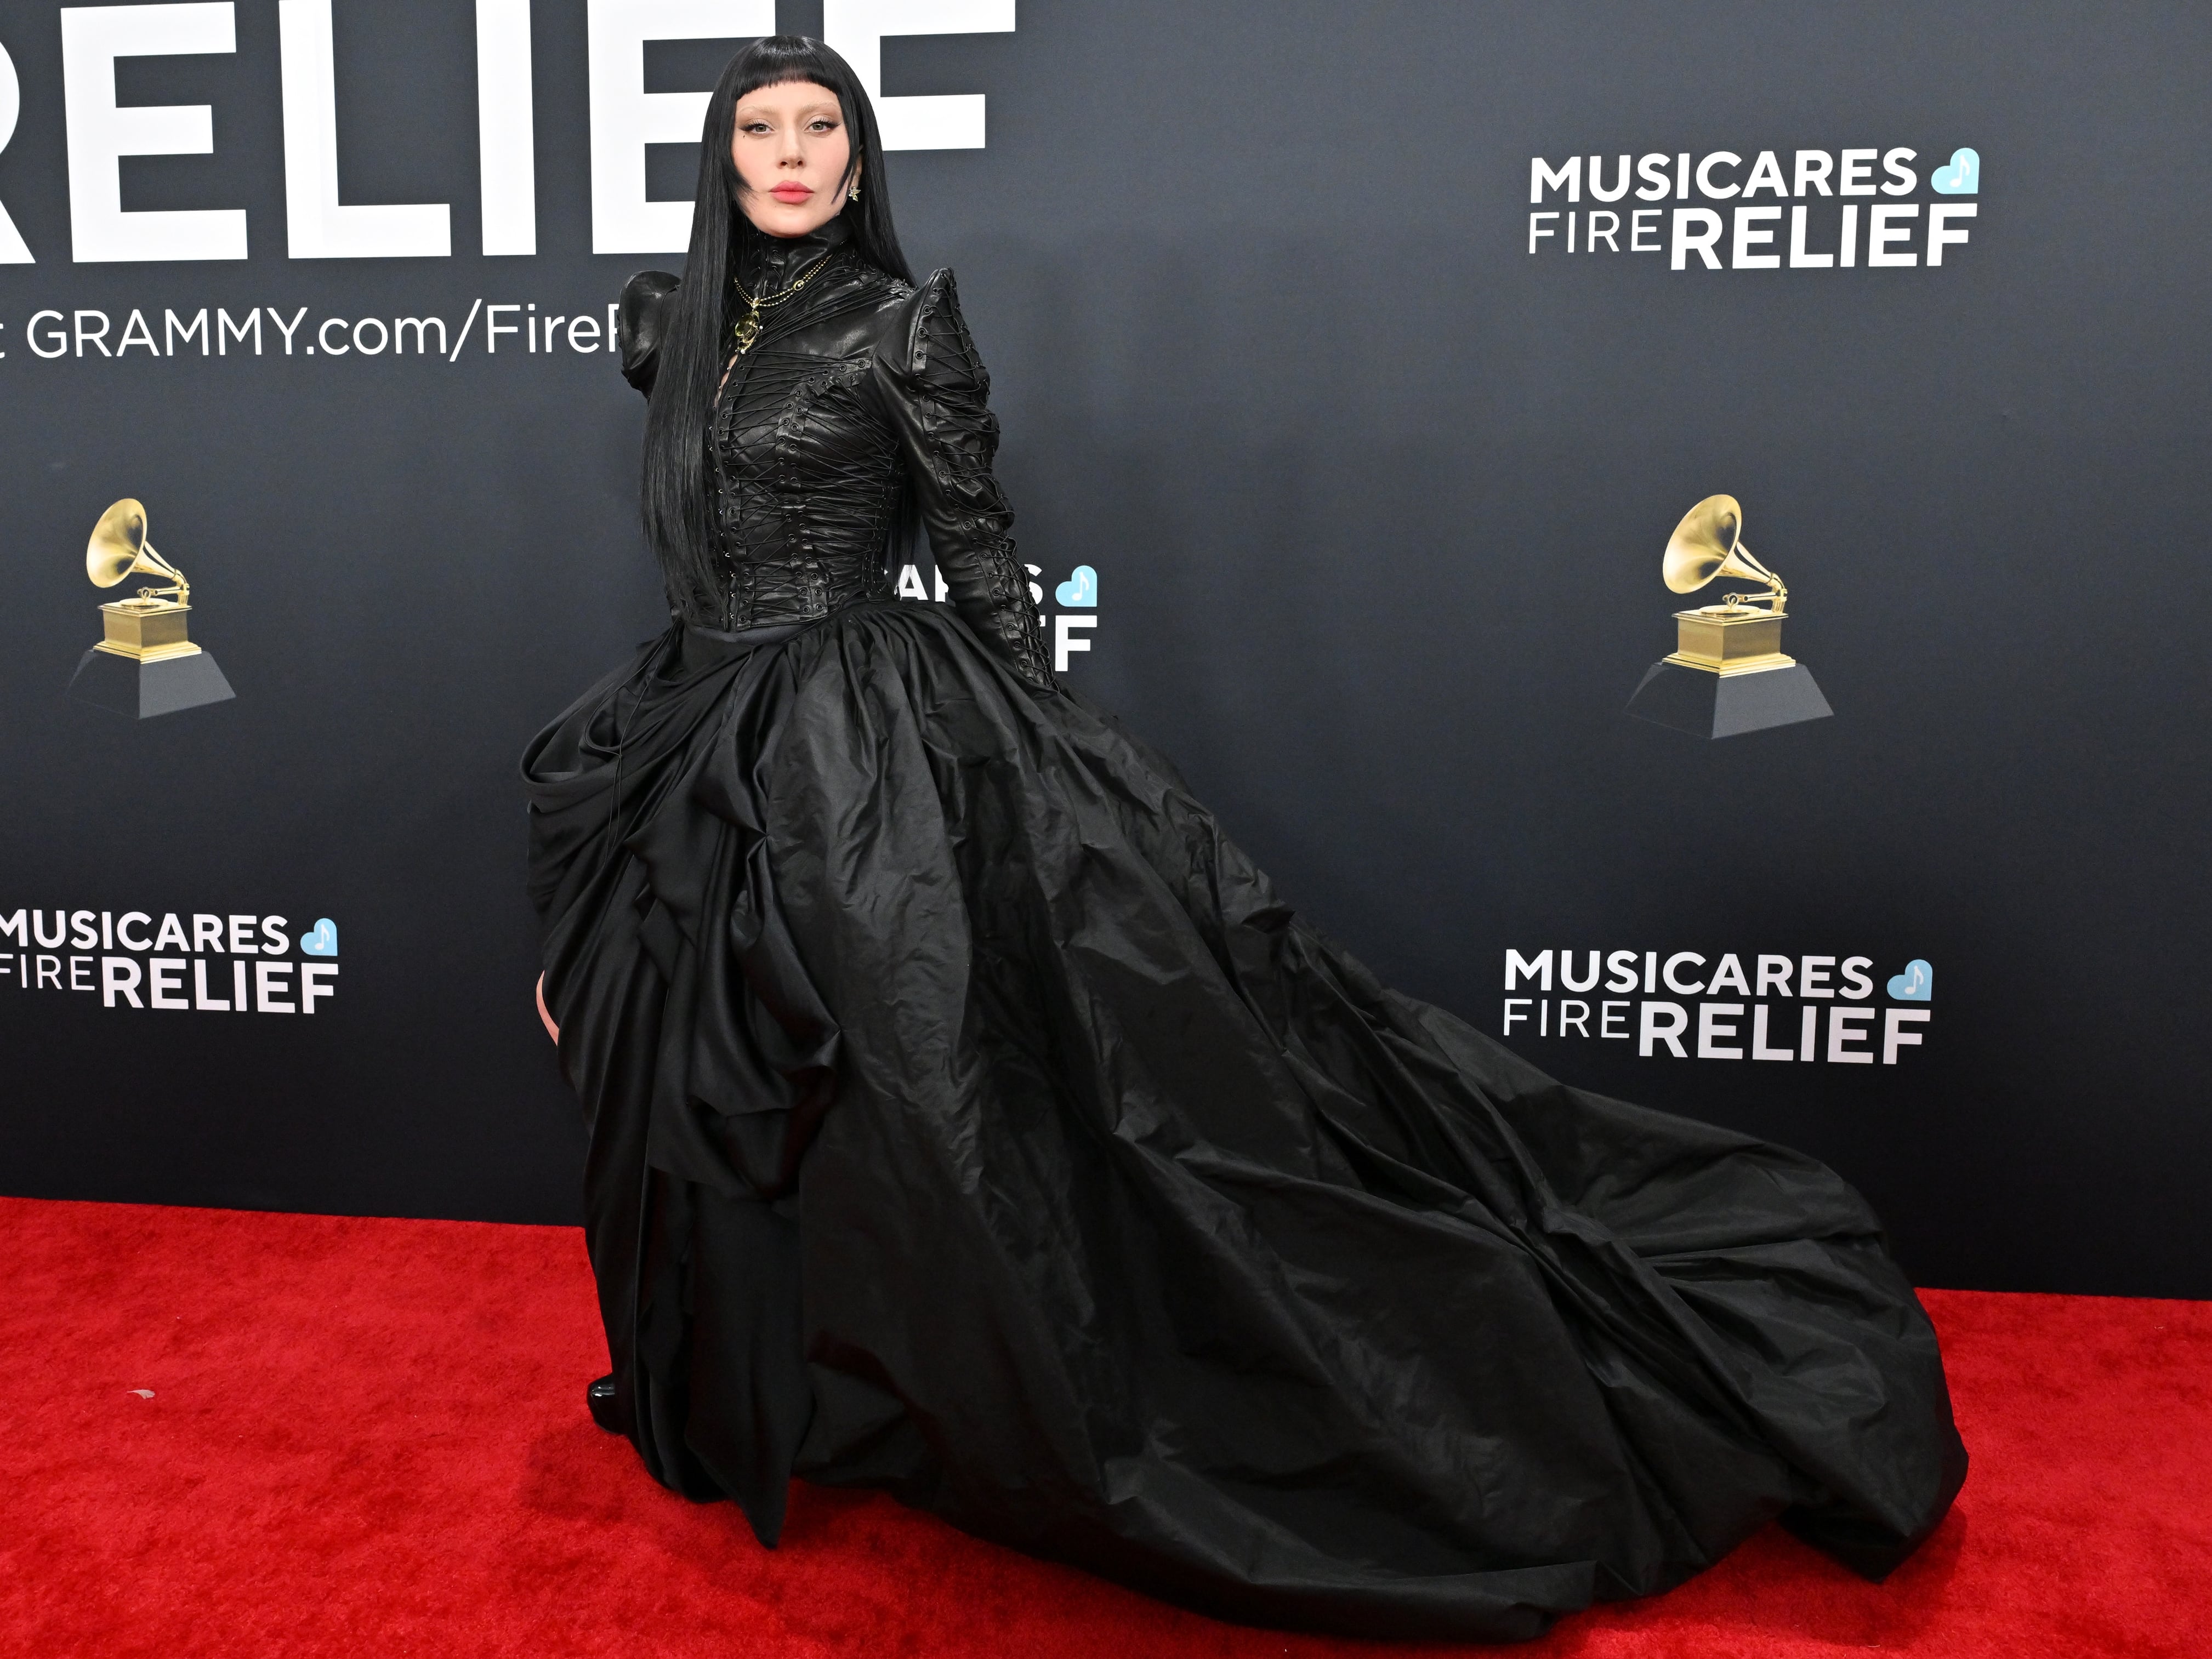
<point x="807" y="479"/>
<point x="865" y="389"/>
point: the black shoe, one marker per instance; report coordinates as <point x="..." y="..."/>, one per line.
<point x="600" y="1397"/>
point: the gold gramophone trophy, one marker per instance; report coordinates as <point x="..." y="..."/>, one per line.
<point x="1727" y="674"/>
<point x="145" y="665"/>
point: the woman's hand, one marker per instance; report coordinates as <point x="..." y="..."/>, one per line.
<point x="551" y="1029"/>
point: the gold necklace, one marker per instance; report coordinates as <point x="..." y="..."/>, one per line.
<point x="745" y="333"/>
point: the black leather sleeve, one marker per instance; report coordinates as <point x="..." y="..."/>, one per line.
<point x="640" y="321"/>
<point x="937" y="393"/>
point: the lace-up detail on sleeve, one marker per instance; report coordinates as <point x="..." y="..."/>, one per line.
<point x="938" y="392"/>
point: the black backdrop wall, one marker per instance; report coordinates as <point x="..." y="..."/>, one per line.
<point x="1372" y="495"/>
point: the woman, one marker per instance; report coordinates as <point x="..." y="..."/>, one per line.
<point x="969" y="1117"/>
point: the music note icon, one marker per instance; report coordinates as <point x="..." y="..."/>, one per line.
<point x="1916" y="984"/>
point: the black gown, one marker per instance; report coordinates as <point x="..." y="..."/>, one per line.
<point x="969" y="1118"/>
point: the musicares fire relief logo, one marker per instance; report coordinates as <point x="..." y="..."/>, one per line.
<point x="1069" y="630"/>
<point x="1807" y="1008"/>
<point x="185" y="962"/>
<point x="1778" y="216"/>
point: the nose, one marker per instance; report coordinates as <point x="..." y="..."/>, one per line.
<point x="790" y="152"/>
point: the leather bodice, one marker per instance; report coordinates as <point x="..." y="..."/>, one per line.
<point x="858" y="389"/>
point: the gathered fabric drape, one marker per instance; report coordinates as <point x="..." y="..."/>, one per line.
<point x="970" y="1118"/>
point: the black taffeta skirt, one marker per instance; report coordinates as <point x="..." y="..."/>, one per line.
<point x="969" y="1118"/>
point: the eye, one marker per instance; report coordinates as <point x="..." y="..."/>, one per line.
<point x="824" y="124"/>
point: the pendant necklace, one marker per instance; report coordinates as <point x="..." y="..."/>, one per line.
<point x="745" y="333"/>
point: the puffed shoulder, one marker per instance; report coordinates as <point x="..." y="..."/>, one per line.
<point x="641" y="320"/>
<point x="929" y="341"/>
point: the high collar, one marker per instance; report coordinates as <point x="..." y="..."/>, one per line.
<point x="768" y="265"/>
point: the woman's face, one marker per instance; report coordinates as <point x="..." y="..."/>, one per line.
<point x="791" y="151"/>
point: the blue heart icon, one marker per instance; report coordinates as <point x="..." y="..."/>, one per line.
<point x="1962" y="178"/>
<point x="1081" y="588"/>
<point x="1916" y="984"/>
<point x="323" y="942"/>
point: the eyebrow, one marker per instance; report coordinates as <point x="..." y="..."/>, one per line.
<point x="828" y="107"/>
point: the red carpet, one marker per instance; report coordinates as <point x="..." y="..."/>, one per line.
<point x="367" y="1438"/>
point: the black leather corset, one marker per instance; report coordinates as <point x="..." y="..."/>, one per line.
<point x="860" y="393"/>
<point x="807" y="480"/>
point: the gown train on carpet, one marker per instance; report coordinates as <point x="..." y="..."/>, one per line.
<point x="970" y="1119"/>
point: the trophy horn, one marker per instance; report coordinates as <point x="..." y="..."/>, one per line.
<point x="1708" y="543"/>
<point x="118" y="548"/>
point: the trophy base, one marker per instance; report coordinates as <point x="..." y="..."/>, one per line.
<point x="143" y="689"/>
<point x="1708" y="704"/>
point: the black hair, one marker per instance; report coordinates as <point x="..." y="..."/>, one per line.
<point x="679" y="524"/>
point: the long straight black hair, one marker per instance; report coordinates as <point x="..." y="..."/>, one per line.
<point x="679" y="519"/>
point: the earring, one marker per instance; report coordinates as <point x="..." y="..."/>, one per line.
<point x="854" y="194"/>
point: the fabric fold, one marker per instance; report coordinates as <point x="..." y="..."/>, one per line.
<point x="971" y="1119"/>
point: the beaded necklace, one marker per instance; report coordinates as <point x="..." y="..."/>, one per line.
<point x="745" y="333"/>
